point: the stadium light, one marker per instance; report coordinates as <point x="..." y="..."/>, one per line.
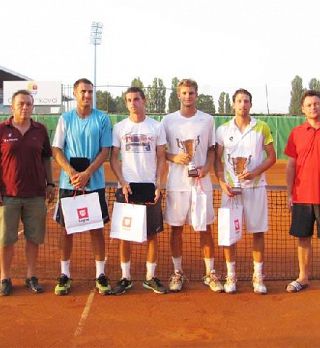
<point x="95" y="39"/>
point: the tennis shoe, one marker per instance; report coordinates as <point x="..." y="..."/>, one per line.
<point x="33" y="285"/>
<point x="176" y="281"/>
<point x="213" y="282"/>
<point x="258" y="284"/>
<point x="155" y="285"/>
<point x="230" y="286"/>
<point x="6" y="287"/>
<point x="122" y="286"/>
<point x="102" y="285"/>
<point x="63" y="286"/>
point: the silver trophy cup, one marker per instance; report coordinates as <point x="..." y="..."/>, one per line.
<point x="239" y="165"/>
<point x="189" y="147"/>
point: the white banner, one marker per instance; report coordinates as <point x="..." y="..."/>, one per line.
<point x="44" y="92"/>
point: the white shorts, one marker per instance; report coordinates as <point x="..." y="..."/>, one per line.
<point x="178" y="204"/>
<point x="255" y="208"/>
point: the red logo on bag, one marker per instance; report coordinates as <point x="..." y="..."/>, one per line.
<point x="237" y="225"/>
<point x="83" y="213"/>
<point x="126" y="222"/>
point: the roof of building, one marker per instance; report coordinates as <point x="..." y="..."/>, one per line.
<point x="10" y="75"/>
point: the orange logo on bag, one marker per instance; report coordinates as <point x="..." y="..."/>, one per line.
<point x="237" y="225"/>
<point x="126" y="222"/>
<point x="83" y="213"/>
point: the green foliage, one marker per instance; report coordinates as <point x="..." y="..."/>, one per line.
<point x="314" y="84"/>
<point x="105" y="101"/>
<point x="205" y="103"/>
<point x="156" y="97"/>
<point x="227" y="105"/>
<point x="296" y="94"/>
<point x="221" y="101"/>
<point x="136" y="82"/>
<point x="174" y="102"/>
<point x="121" y="105"/>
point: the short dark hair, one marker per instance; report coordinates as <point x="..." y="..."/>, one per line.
<point x="241" y="91"/>
<point x="23" y="92"/>
<point x="309" y="93"/>
<point x="83" y="80"/>
<point x="134" y="89"/>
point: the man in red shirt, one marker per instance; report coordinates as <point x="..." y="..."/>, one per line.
<point x="303" y="182"/>
<point x="25" y="182"/>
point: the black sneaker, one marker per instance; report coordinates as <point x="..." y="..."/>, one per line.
<point x="6" y="287"/>
<point x="155" y="285"/>
<point x="33" y="285"/>
<point x="102" y="285"/>
<point x="122" y="285"/>
<point x="63" y="286"/>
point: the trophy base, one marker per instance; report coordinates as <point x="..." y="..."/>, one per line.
<point x="236" y="190"/>
<point x="193" y="173"/>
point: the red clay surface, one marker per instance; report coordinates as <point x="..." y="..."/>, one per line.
<point x="196" y="317"/>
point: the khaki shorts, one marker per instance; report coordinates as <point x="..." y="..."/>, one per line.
<point x="31" y="211"/>
<point x="178" y="206"/>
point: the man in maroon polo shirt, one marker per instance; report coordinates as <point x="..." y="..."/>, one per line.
<point x="303" y="181"/>
<point x="25" y="182"/>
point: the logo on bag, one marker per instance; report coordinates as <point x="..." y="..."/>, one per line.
<point x="237" y="225"/>
<point x="126" y="222"/>
<point x="83" y="214"/>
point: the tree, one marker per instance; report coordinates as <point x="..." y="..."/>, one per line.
<point x="136" y="82"/>
<point x="205" y="103"/>
<point x="174" y="102"/>
<point x="314" y="84"/>
<point x="120" y="104"/>
<point x="156" y="96"/>
<point x="105" y="101"/>
<point x="296" y="94"/>
<point x="221" y="103"/>
<point x="227" y="105"/>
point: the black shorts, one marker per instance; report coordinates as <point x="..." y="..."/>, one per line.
<point x="154" y="214"/>
<point x="303" y="218"/>
<point x="70" y="193"/>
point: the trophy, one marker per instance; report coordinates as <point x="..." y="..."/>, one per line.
<point x="189" y="147"/>
<point x="239" y="164"/>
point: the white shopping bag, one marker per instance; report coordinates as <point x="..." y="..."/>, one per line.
<point x="198" y="208"/>
<point x="82" y="213"/>
<point x="230" y="224"/>
<point x="129" y="222"/>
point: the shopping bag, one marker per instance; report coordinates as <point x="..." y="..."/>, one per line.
<point x="230" y="224"/>
<point x="82" y="212"/>
<point x="129" y="222"/>
<point x="198" y="208"/>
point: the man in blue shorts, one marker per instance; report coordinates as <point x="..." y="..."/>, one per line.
<point x="303" y="184"/>
<point x="80" y="147"/>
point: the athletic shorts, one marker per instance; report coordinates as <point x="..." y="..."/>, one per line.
<point x="303" y="218"/>
<point x="255" y="208"/>
<point x="31" y="211"/>
<point x="154" y="214"/>
<point x="70" y="193"/>
<point x="178" y="208"/>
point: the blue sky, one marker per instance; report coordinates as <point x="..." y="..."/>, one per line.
<point x="223" y="45"/>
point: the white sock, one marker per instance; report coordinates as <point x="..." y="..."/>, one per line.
<point x="209" y="265"/>
<point x="231" y="268"/>
<point x="100" y="268"/>
<point x="125" y="268"/>
<point x="257" y="268"/>
<point x="177" y="264"/>
<point x="65" y="268"/>
<point x="151" y="267"/>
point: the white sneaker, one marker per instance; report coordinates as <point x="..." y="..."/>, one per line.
<point x="213" y="282"/>
<point x="230" y="286"/>
<point x="176" y="281"/>
<point x="258" y="285"/>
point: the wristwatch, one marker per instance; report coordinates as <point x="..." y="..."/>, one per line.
<point x="51" y="184"/>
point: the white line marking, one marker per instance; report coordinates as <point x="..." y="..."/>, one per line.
<point x="84" y="314"/>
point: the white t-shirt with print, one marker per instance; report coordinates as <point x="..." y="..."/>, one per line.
<point x="249" y="144"/>
<point x="201" y="129"/>
<point x="137" y="142"/>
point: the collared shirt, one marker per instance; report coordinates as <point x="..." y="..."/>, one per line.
<point x="304" y="146"/>
<point x="22" y="160"/>
<point x="248" y="144"/>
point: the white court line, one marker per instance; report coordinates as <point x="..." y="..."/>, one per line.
<point x="84" y="314"/>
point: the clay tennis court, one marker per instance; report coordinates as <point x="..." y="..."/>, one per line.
<point x="196" y="317"/>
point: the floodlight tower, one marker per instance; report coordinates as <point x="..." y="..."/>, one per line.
<point x="95" y="39"/>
